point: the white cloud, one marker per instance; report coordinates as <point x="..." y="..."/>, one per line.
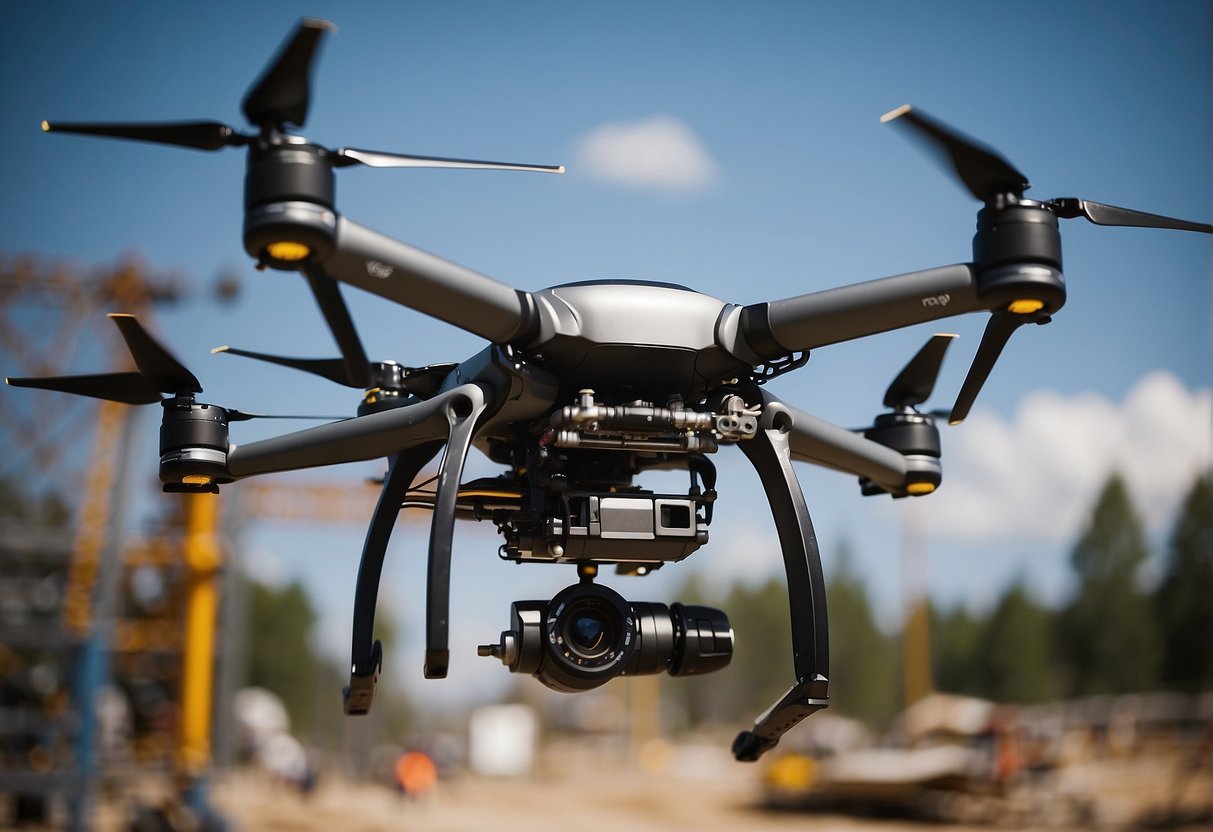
<point x="1038" y="475"/>
<point x="656" y="152"/>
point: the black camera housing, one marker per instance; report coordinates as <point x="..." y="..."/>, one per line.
<point x="588" y="634"/>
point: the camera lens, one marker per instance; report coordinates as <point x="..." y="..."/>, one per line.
<point x="588" y="633"/>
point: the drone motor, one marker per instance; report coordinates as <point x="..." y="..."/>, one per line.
<point x="193" y="446"/>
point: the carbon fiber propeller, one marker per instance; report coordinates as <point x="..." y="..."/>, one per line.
<point x="281" y="96"/>
<point x="420" y="381"/>
<point x="989" y="177"/>
<point x="913" y="385"/>
<point x="157" y="372"/>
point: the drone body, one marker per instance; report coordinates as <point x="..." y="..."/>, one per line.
<point x="581" y="388"/>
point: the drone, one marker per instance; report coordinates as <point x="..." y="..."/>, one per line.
<point x="581" y="388"/>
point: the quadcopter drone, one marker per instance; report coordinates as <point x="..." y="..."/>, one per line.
<point x="582" y="387"/>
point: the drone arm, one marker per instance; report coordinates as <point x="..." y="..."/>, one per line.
<point x="422" y="281"/>
<point x="770" y="453"/>
<point x="780" y="328"/>
<point x="819" y="442"/>
<point x="353" y="440"/>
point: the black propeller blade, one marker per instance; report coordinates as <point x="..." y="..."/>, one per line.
<point x="423" y="382"/>
<point x="155" y="363"/>
<point x="331" y="368"/>
<point x="1101" y="214"/>
<point x="241" y="416"/>
<point x="915" y="382"/>
<point x="375" y="159"/>
<point x="988" y="176"/>
<point x="282" y="94"/>
<point x="998" y="331"/>
<point x="125" y="388"/>
<point x="995" y="181"/>
<point x="981" y="168"/>
<point x="337" y="315"/>
<point x="200" y="135"/>
<point x="158" y="372"/>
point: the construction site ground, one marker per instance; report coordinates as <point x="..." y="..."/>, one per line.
<point x="587" y="801"/>
<point x="699" y="789"/>
<point x="605" y="787"/>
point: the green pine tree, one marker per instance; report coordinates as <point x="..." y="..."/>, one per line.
<point x="280" y="658"/>
<point x="761" y="670"/>
<point x="864" y="676"/>
<point x="1014" y="655"/>
<point x="1182" y="601"/>
<point x="955" y="645"/>
<point x="1108" y="633"/>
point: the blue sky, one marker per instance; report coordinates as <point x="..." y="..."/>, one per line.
<point x="734" y="148"/>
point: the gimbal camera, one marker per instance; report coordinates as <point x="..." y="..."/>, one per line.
<point x="588" y="634"/>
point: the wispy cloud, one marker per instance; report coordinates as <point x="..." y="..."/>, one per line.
<point x="659" y="152"/>
<point x="1038" y="474"/>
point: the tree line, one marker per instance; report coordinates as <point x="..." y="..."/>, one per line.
<point x="1113" y="635"/>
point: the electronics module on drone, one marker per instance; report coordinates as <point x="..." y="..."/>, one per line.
<point x="580" y="388"/>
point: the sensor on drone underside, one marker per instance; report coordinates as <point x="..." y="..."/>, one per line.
<point x="612" y="528"/>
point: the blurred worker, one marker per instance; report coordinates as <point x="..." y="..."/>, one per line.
<point x="416" y="774"/>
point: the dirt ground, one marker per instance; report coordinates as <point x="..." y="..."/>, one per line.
<point x="699" y="789"/>
<point x="586" y="801"/>
<point x="596" y="788"/>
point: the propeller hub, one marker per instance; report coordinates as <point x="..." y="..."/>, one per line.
<point x="387" y="390"/>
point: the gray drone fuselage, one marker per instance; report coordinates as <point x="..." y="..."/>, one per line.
<point x="633" y="340"/>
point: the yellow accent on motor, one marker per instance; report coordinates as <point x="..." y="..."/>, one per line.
<point x="1025" y="306"/>
<point x="919" y="488"/>
<point x="288" y="250"/>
